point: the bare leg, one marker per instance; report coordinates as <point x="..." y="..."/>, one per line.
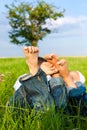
<point x="64" y="73"/>
<point x="31" y="54"/>
<point x="75" y="76"/>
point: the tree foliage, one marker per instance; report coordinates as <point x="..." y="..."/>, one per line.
<point x="27" y="22"/>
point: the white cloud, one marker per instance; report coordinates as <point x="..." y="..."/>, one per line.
<point x="71" y="20"/>
<point x="69" y="25"/>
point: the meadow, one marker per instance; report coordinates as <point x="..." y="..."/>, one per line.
<point x="14" y="67"/>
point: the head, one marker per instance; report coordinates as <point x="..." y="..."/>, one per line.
<point x="41" y="60"/>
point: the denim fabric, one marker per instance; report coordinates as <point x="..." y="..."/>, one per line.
<point x="77" y="100"/>
<point x="58" y="91"/>
<point x="76" y="92"/>
<point x="34" y="91"/>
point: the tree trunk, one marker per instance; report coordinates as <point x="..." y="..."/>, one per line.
<point x="34" y="43"/>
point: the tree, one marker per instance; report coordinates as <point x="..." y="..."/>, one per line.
<point x="27" y="22"/>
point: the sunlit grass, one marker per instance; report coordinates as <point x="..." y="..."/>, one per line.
<point x="14" y="67"/>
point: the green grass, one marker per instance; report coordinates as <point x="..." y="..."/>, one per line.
<point x="14" y="67"/>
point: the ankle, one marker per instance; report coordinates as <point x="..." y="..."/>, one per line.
<point x="69" y="82"/>
<point x="33" y="70"/>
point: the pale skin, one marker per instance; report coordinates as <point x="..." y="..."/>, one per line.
<point x="64" y="73"/>
<point x="53" y="58"/>
<point x="62" y="68"/>
<point x="74" y="75"/>
<point x="31" y="54"/>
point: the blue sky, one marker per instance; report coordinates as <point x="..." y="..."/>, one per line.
<point x="69" y="37"/>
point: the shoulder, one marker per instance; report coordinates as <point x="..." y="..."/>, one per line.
<point x="24" y="77"/>
<point x="21" y="78"/>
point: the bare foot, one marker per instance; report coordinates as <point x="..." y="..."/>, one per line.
<point x="48" y="68"/>
<point x="53" y="59"/>
<point x="31" y="54"/>
<point x="64" y="73"/>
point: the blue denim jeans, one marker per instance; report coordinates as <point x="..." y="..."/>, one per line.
<point x="58" y="91"/>
<point x="34" y="92"/>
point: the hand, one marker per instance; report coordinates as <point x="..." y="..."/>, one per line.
<point x="48" y="68"/>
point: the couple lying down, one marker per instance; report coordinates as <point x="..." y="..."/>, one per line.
<point x="49" y="83"/>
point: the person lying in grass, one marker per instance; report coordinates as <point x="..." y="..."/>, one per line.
<point x="76" y="99"/>
<point x="36" y="92"/>
<point x="53" y="58"/>
<point x="75" y="75"/>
